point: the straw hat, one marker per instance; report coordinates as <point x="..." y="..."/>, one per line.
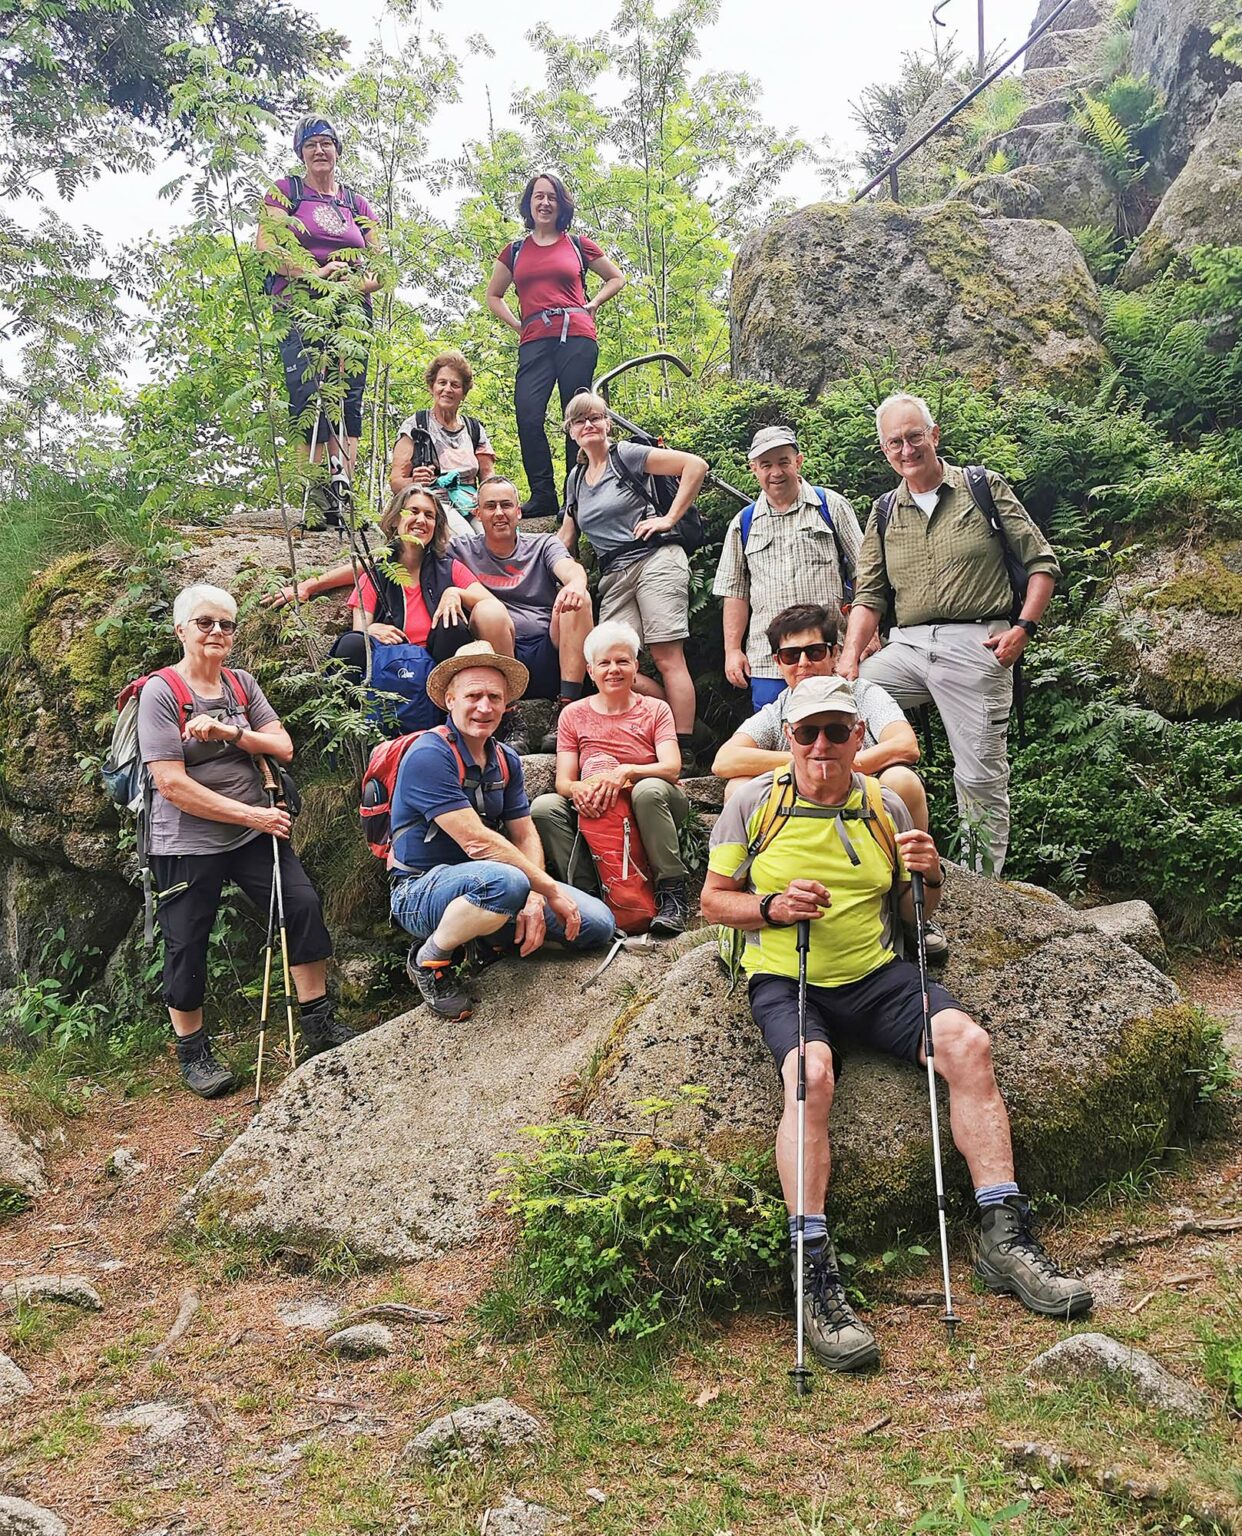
<point x="477" y="653"/>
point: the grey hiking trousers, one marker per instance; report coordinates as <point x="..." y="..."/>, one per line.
<point x="948" y="665"/>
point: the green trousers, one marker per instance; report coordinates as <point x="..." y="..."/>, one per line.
<point x="659" y="808"/>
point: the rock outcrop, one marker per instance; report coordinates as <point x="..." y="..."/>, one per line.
<point x="1172" y="43"/>
<point x="391" y="1144"/>
<point x="1204" y="204"/>
<point x="1080" y="16"/>
<point x="1067" y="177"/>
<point x="21" y="1166"/>
<point x="1003" y="301"/>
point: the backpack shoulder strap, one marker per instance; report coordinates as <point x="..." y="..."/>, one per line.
<point x="573" y="488"/>
<point x="180" y="689"/>
<point x="877" y="820"/>
<point x="351" y="199"/>
<point x="236" y="687"/>
<point x="628" y="479"/>
<point x="981" y="492"/>
<point x="296" y="187"/>
<point x="515" y="250"/>
<point x="843" y="559"/>
<point x="421" y="419"/>
<point x="475" y="428"/>
<point x="748" y="517"/>
<point x="583" y="265"/>
<point x="885" y="510"/>
<point x="780" y="803"/>
<point x="445" y="735"/>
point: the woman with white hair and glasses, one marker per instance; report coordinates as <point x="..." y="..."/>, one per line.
<point x="201" y="728"/>
<point x="614" y="740"/>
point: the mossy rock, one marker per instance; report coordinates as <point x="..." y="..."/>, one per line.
<point x="1095" y="1054"/>
<point x="833" y="287"/>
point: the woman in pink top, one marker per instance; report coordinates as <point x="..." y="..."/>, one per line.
<point x="611" y="741"/>
<point x="557" y="342"/>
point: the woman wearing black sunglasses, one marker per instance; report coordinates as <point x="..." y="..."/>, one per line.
<point x="202" y="727"/>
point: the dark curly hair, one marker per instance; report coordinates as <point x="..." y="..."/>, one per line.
<point x="565" y="204"/>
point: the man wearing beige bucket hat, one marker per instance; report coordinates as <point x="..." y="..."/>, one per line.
<point x="466" y="861"/>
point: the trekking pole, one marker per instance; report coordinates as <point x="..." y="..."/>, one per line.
<point x="951" y="1320"/>
<point x="800" y="1374"/>
<point x="270" y="784"/>
<point x="267" y="989"/>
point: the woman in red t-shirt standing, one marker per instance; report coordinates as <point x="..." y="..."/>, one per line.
<point x="557" y="337"/>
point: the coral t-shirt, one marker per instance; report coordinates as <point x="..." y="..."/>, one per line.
<point x="417" y="621"/>
<point x="549" y="277"/>
<point x="629" y="738"/>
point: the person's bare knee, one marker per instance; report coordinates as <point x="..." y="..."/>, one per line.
<point x="905" y="783"/>
<point x="734" y="786"/>
<point x="963" y="1049"/>
<point x="490" y="621"/>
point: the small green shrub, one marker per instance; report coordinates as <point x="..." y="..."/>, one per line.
<point x="627" y="1235"/>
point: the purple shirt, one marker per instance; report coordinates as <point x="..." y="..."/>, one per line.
<point x="321" y="224"/>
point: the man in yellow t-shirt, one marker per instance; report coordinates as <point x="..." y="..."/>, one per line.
<point x="830" y="864"/>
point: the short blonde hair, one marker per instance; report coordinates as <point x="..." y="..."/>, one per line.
<point x="584" y="403"/>
<point x="901" y="398"/>
<point x="604" y="636"/>
<point x="192" y="597"/>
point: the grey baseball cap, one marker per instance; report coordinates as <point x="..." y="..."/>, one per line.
<point x="771" y="437"/>
<point x="820" y="696"/>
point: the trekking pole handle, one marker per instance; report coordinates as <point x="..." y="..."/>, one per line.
<point x="804" y="935"/>
<point x="916" y="889"/>
<point x="268" y="775"/>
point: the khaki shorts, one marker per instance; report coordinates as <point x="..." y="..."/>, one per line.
<point x="652" y="594"/>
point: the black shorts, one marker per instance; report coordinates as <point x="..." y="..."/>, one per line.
<point x="882" y="1012"/>
<point x="302" y="364"/>
<point x="543" y="661"/>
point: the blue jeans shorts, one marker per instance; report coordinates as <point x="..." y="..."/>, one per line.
<point x="420" y="901"/>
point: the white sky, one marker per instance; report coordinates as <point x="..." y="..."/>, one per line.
<point x="812" y="57"/>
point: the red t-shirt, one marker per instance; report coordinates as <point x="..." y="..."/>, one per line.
<point x="417" y="622"/>
<point x="550" y="277"/>
<point x="629" y="738"/>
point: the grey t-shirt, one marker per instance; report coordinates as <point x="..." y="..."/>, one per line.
<point x="608" y="511"/>
<point x="878" y="709"/>
<point x="525" y="581"/>
<point x="216" y="765"/>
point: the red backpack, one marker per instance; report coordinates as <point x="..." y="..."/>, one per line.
<point x="621" y="864"/>
<point x="380" y="781"/>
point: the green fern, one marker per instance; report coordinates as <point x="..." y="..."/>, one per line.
<point x="1228" y="44"/>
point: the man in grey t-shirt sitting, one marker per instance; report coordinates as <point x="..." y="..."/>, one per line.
<point x="805" y="641"/>
<point x="542" y="586"/>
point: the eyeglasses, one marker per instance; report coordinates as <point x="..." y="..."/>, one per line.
<point x="836" y="731"/>
<point x="319" y="142"/>
<point x="791" y="655"/>
<point x="594" y="416"/>
<point x="911" y="440"/>
<point x="206" y="625"/>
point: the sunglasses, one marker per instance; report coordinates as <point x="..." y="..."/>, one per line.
<point x="836" y="731"/>
<point x="791" y="655"/>
<point x="206" y="625"/>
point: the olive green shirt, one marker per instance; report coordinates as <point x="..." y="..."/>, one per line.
<point x="948" y="568"/>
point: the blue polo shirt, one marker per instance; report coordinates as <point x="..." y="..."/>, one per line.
<point x="429" y="785"/>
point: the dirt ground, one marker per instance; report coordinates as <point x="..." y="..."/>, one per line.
<point x="260" y="1429"/>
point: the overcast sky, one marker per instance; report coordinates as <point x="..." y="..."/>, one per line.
<point x="812" y="57"/>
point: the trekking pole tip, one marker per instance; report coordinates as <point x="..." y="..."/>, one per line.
<point x="800" y="1375"/>
<point x="951" y="1323"/>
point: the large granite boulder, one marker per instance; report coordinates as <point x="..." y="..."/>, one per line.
<point x="1172" y="44"/>
<point x="1187" y="645"/>
<point x="1204" y="204"/>
<point x="391" y="1144"/>
<point x="1079" y="16"/>
<point x="1067" y="176"/>
<point x="1094" y="1053"/>
<point x="21" y="1168"/>
<point x="1003" y="301"/>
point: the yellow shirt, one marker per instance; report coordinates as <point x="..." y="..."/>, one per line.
<point x="854" y="936"/>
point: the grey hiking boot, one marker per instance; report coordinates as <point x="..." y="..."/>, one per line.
<point x="441" y="990"/>
<point x="323" y="1031"/>
<point x="320" y="508"/>
<point x="933" y="937"/>
<point x="672" y="907"/>
<point x="837" y="1338"/>
<point x="1012" y="1260"/>
<point x="203" y="1074"/>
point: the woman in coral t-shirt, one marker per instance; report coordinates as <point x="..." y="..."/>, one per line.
<point x="557" y="338"/>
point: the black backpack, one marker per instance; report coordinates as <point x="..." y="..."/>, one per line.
<point x="296" y="188"/>
<point x="658" y="492"/>
<point x="422" y="423"/>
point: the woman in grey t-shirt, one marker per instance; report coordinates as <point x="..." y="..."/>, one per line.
<point x="201" y="728"/>
<point x="644" y="571"/>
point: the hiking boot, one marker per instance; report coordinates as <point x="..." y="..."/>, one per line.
<point x="204" y="1075"/>
<point x="837" y="1338"/>
<point x="323" y="1031"/>
<point x="441" y="990"/>
<point x="673" y="909"/>
<point x="689" y="758"/>
<point x="512" y="731"/>
<point x="319" y="504"/>
<point x="548" y="741"/>
<point x="1012" y="1260"/>
<point x="934" y="939"/>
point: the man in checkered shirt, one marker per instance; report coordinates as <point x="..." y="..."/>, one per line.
<point x="790" y="553"/>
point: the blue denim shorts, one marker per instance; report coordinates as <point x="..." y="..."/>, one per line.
<point x="419" y="902"/>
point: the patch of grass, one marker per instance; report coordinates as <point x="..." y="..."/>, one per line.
<point x="60" y="1436"/>
<point x="33" y="1329"/>
<point x="12" y="1203"/>
<point x="337" y="1261"/>
<point x="212" y="1245"/>
<point x="349" y="1489"/>
<point x="117" y="1358"/>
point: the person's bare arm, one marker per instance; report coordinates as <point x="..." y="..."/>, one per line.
<point x="567" y="533"/>
<point x="1011" y="642"/>
<point x="727" y="901"/>
<point x="897" y="745"/>
<point x="918" y="853"/>
<point x="478" y="841"/>
<point x="859" y="633"/>
<point x="735" y="616"/>
<point x="741" y="758"/>
<point x="614" y="281"/>
<point x="402" y="471"/>
<point x="179" y="789"/>
<point x="487" y="463"/>
<point x="498" y="286"/>
<point x="690" y="472"/>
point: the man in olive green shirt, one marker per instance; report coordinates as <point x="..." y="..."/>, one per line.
<point x="952" y="642"/>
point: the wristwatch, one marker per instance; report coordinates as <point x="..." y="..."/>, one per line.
<point x="1027" y="624"/>
<point x="765" y="907"/>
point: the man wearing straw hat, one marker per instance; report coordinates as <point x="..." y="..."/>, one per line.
<point x="466" y="860"/>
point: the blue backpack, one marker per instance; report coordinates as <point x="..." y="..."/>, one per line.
<point x="843" y="560"/>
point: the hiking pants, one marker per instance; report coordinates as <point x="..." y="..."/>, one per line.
<point x="949" y="666"/>
<point x="418" y="902"/>
<point x="194" y="882"/>
<point x="570" y="365"/>
<point x="659" y="807"/>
